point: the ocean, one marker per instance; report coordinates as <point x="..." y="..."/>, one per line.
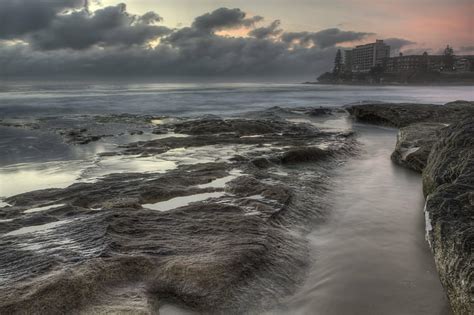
<point x="56" y="98"/>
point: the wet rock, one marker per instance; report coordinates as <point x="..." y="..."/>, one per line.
<point x="160" y="130"/>
<point x="238" y="158"/>
<point x="241" y="251"/>
<point x="261" y="162"/>
<point x="241" y="127"/>
<point x="274" y="113"/>
<point x="118" y="202"/>
<point x="66" y="290"/>
<point x="205" y="255"/>
<point x="18" y="123"/>
<point x="304" y="154"/>
<point x="80" y="136"/>
<point x="248" y="186"/>
<point x="321" y="111"/>
<point x="401" y="115"/>
<point x="130" y="119"/>
<point x="135" y="132"/>
<point x="448" y="183"/>
<point x="414" y="144"/>
<point x="127" y="189"/>
<point x="232" y="132"/>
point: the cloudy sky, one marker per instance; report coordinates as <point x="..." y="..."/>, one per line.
<point x="217" y="38"/>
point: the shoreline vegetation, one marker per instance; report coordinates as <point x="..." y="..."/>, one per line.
<point x="110" y="251"/>
<point x="368" y="83"/>
<point x="415" y="79"/>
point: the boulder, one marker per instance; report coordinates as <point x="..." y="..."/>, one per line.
<point x="304" y="154"/>
<point x="414" y="144"/>
<point x="402" y="115"/>
<point x="448" y="183"/>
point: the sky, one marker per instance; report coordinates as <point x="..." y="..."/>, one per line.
<point x="217" y="38"/>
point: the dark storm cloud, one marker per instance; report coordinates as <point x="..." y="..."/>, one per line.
<point x="105" y="27"/>
<point x="111" y="41"/>
<point x="18" y="17"/>
<point x="398" y="43"/>
<point x="150" y="18"/>
<point x="334" y="36"/>
<point x="204" y="27"/>
<point x="267" y="31"/>
<point x="223" y="18"/>
<point x="325" y="38"/>
<point x="220" y="56"/>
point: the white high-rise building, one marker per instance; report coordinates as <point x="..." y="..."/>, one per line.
<point x="365" y="57"/>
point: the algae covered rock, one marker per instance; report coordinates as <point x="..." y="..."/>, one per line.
<point x="448" y="183"/>
<point x="414" y="144"/>
<point x="405" y="114"/>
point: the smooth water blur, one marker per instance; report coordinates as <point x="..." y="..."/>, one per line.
<point x="53" y="98"/>
<point x="371" y="257"/>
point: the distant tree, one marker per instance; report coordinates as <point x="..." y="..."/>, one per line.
<point x="338" y="66"/>
<point x="448" y="59"/>
<point x="425" y="63"/>
<point x="376" y="73"/>
<point x="327" y="77"/>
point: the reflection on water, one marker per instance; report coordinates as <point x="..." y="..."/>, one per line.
<point x="221" y="182"/>
<point x="37" y="228"/>
<point x="329" y="124"/>
<point x="126" y="164"/>
<point x="33" y="146"/>
<point x="20" y="178"/>
<point x="371" y="257"/>
<point x="164" y="121"/>
<point x="182" y="201"/>
<point x="39" y="209"/>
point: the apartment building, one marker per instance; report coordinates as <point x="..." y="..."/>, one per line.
<point x="364" y="57"/>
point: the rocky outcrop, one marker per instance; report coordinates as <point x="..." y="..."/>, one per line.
<point x="304" y="154"/>
<point x="321" y="111"/>
<point x="414" y="144"/>
<point x="80" y="136"/>
<point x="248" y="132"/>
<point x="241" y="127"/>
<point x="229" y="241"/>
<point x="402" y="115"/>
<point x="448" y="182"/>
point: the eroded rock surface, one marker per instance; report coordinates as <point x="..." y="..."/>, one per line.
<point x="414" y="144"/>
<point x="402" y="115"/>
<point x="216" y="233"/>
<point x="448" y="182"/>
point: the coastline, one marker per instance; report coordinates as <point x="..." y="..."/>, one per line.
<point x="255" y="191"/>
<point x="391" y="84"/>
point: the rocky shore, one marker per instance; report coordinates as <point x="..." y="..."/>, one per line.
<point x="219" y="230"/>
<point x="438" y="141"/>
<point x="210" y="213"/>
